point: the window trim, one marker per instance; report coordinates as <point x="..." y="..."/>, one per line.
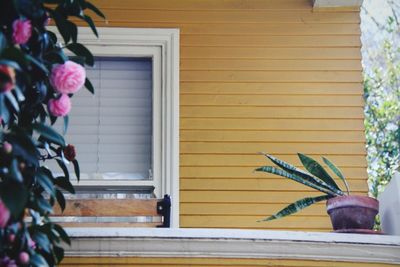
<point x="135" y="42"/>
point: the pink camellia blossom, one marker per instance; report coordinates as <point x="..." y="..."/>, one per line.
<point x="59" y="107"/>
<point x="68" y="78"/>
<point x="22" y="31"/>
<point x="23" y="258"/>
<point x="4" y="215"/>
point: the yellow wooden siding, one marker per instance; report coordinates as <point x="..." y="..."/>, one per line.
<point x="208" y="262"/>
<point x="258" y="75"/>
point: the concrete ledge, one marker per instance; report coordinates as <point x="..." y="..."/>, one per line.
<point x="337" y="3"/>
<point x="227" y="243"/>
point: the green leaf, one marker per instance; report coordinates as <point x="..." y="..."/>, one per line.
<point x="38" y="64"/>
<point x="63" y="167"/>
<point x="10" y="63"/>
<point x="66" y="122"/>
<point x="19" y="95"/>
<point x="58" y="253"/>
<point x="90" y="22"/>
<point x="80" y="50"/>
<point x="61" y="23"/>
<point x="4" y="113"/>
<point x="276" y="171"/>
<point x="53" y="119"/>
<point x="15" y="172"/>
<point x="14" y="103"/>
<point x="65" y="184"/>
<point x="73" y="29"/>
<point x="297" y="206"/>
<point x="89" y="86"/>
<point x="77" y="170"/>
<point x="43" y="205"/>
<point x="14" y="195"/>
<point x="60" y="199"/>
<point x="307" y="176"/>
<point x="95" y="10"/>
<point x="13" y="54"/>
<point x="37" y="260"/>
<point x="48" y="133"/>
<point x="316" y="169"/>
<point x="3" y="41"/>
<point x="337" y="172"/>
<point x="42" y="241"/>
<point x="23" y="145"/>
<point x="45" y="181"/>
<point x="53" y="36"/>
<point x="63" y="235"/>
<point x="56" y="56"/>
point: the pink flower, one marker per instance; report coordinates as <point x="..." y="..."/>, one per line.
<point x="59" y="107"/>
<point x="31" y="243"/>
<point x="23" y="258"/>
<point x="4" y="215"/>
<point x="22" y="31"/>
<point x="7" y="147"/>
<point x="68" y="78"/>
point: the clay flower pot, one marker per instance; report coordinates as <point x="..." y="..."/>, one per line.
<point x="352" y="213"/>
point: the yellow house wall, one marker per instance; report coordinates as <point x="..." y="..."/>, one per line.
<point x="258" y="75"/>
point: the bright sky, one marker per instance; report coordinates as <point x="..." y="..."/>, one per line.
<point x="372" y="36"/>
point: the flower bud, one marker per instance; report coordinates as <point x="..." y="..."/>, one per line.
<point x="4" y="215"/>
<point x="69" y="152"/>
<point x="7" y="147"/>
<point x="11" y="238"/>
<point x="23" y="258"/>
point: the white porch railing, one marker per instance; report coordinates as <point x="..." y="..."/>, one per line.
<point x="226" y="243"/>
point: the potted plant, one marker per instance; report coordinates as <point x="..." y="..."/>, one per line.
<point x="348" y="213"/>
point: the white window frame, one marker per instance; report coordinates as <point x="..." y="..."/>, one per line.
<point x="162" y="45"/>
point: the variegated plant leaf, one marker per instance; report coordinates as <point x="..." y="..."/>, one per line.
<point x="283" y="173"/>
<point x="296" y="206"/>
<point x="337" y="172"/>
<point x="316" y="169"/>
<point x="299" y="172"/>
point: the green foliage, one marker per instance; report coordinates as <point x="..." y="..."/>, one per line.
<point x="27" y="139"/>
<point x="296" y="206"/>
<point x="382" y="102"/>
<point x="316" y="178"/>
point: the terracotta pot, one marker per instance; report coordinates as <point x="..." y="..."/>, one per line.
<point x="352" y="212"/>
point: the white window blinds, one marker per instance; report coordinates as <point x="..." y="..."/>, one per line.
<point x="112" y="130"/>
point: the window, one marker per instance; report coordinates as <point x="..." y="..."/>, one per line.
<point x="127" y="134"/>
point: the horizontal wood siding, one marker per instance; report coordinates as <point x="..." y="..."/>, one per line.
<point x="208" y="262"/>
<point x="257" y="75"/>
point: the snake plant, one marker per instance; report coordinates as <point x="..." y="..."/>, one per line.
<point x="315" y="177"/>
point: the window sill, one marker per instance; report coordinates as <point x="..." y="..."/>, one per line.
<point x="232" y="243"/>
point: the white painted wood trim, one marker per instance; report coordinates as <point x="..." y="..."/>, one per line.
<point x="130" y="42"/>
<point x="389" y="203"/>
<point x="227" y="243"/>
<point x="337" y="3"/>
